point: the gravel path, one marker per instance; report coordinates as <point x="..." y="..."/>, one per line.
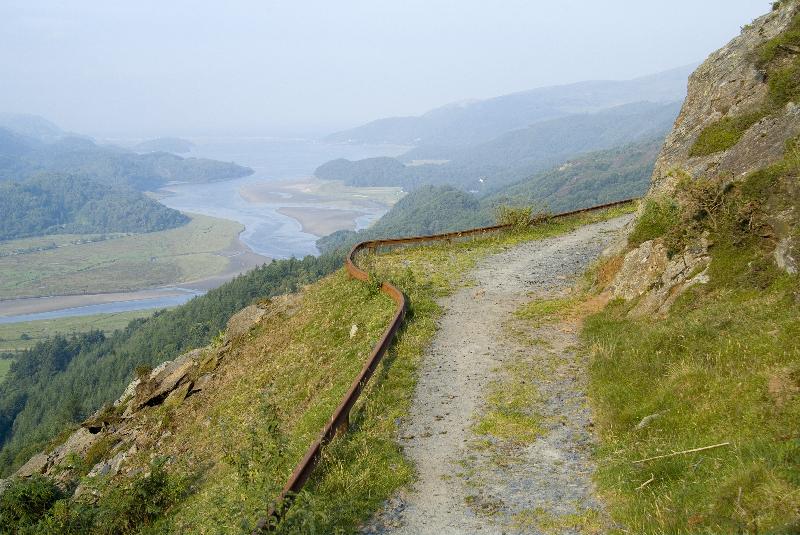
<point x="462" y="489"/>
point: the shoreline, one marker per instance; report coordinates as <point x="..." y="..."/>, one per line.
<point x="321" y="207"/>
<point x="240" y="259"/>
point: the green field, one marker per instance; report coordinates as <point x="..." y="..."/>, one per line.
<point x="126" y="262"/>
<point x="18" y="336"/>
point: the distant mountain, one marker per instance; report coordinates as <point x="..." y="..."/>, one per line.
<point x="23" y="156"/>
<point x="488" y="166"/>
<point x="482" y="120"/>
<point x="174" y="145"/>
<point x="30" y="125"/>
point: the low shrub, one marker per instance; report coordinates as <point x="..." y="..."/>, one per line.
<point x="657" y="218"/>
<point x="26" y="501"/>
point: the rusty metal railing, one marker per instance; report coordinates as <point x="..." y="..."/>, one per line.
<point x="340" y="420"/>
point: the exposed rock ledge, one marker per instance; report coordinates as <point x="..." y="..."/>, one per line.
<point x="117" y="429"/>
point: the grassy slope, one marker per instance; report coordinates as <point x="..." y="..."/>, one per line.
<point x="10" y="333"/>
<point x="124" y="263"/>
<point x="290" y="372"/>
<point x="722" y="366"/>
<point x="5" y="364"/>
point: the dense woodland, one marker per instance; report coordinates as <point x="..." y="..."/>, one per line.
<point x="53" y="182"/>
<point x="63" y="380"/>
<point x="53" y="203"/>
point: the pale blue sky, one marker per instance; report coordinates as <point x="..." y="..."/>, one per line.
<point x="186" y="67"/>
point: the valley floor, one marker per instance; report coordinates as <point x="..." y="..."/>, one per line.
<point x="201" y="254"/>
<point x="499" y="429"/>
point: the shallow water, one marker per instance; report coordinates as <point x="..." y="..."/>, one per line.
<point x="267" y="232"/>
<point x="107" y="308"/>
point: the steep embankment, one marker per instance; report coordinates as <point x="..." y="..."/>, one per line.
<point x="695" y="364"/>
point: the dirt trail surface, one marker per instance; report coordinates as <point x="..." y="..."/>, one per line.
<point x="462" y="489"/>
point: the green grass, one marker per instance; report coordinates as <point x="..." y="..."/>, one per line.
<point x="775" y="47"/>
<point x="540" y="311"/>
<point x="53" y="241"/>
<point x="657" y="218"/>
<point x="123" y="263"/>
<point x="366" y="465"/>
<point x="511" y="404"/>
<point x="587" y="522"/>
<point x="22" y="335"/>
<point x="724" y="133"/>
<point x="722" y="366"/>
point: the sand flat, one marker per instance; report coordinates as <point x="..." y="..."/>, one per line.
<point x="325" y="193"/>
<point x="322" y="221"/>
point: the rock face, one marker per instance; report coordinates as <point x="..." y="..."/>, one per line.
<point x="728" y="84"/>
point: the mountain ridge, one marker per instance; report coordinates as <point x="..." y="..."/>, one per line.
<point x="487" y="118"/>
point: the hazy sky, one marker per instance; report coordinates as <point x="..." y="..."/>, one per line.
<point x="180" y="67"/>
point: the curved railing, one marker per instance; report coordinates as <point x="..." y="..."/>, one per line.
<point x="340" y="419"/>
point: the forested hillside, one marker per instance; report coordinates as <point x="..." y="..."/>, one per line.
<point x="31" y="125"/>
<point x="22" y="157"/>
<point x="512" y="156"/>
<point x="59" y="382"/>
<point x="592" y="179"/>
<point x="595" y="178"/>
<point x="427" y="210"/>
<point x="53" y="203"/>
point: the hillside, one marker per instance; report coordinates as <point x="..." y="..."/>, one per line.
<point x="512" y="156"/>
<point x="480" y="121"/>
<point x="658" y="393"/>
<point x="218" y="430"/>
<point x="65" y="204"/>
<point x="698" y="346"/>
<point x="427" y="210"/>
<point x="58" y="383"/>
<point x="22" y="157"/>
<point x="589" y="180"/>
<point x="31" y="125"/>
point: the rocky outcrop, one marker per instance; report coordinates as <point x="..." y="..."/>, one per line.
<point x="641" y="269"/>
<point x="729" y="84"/>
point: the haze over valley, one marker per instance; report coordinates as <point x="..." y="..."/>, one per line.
<point x="400" y="268"/>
